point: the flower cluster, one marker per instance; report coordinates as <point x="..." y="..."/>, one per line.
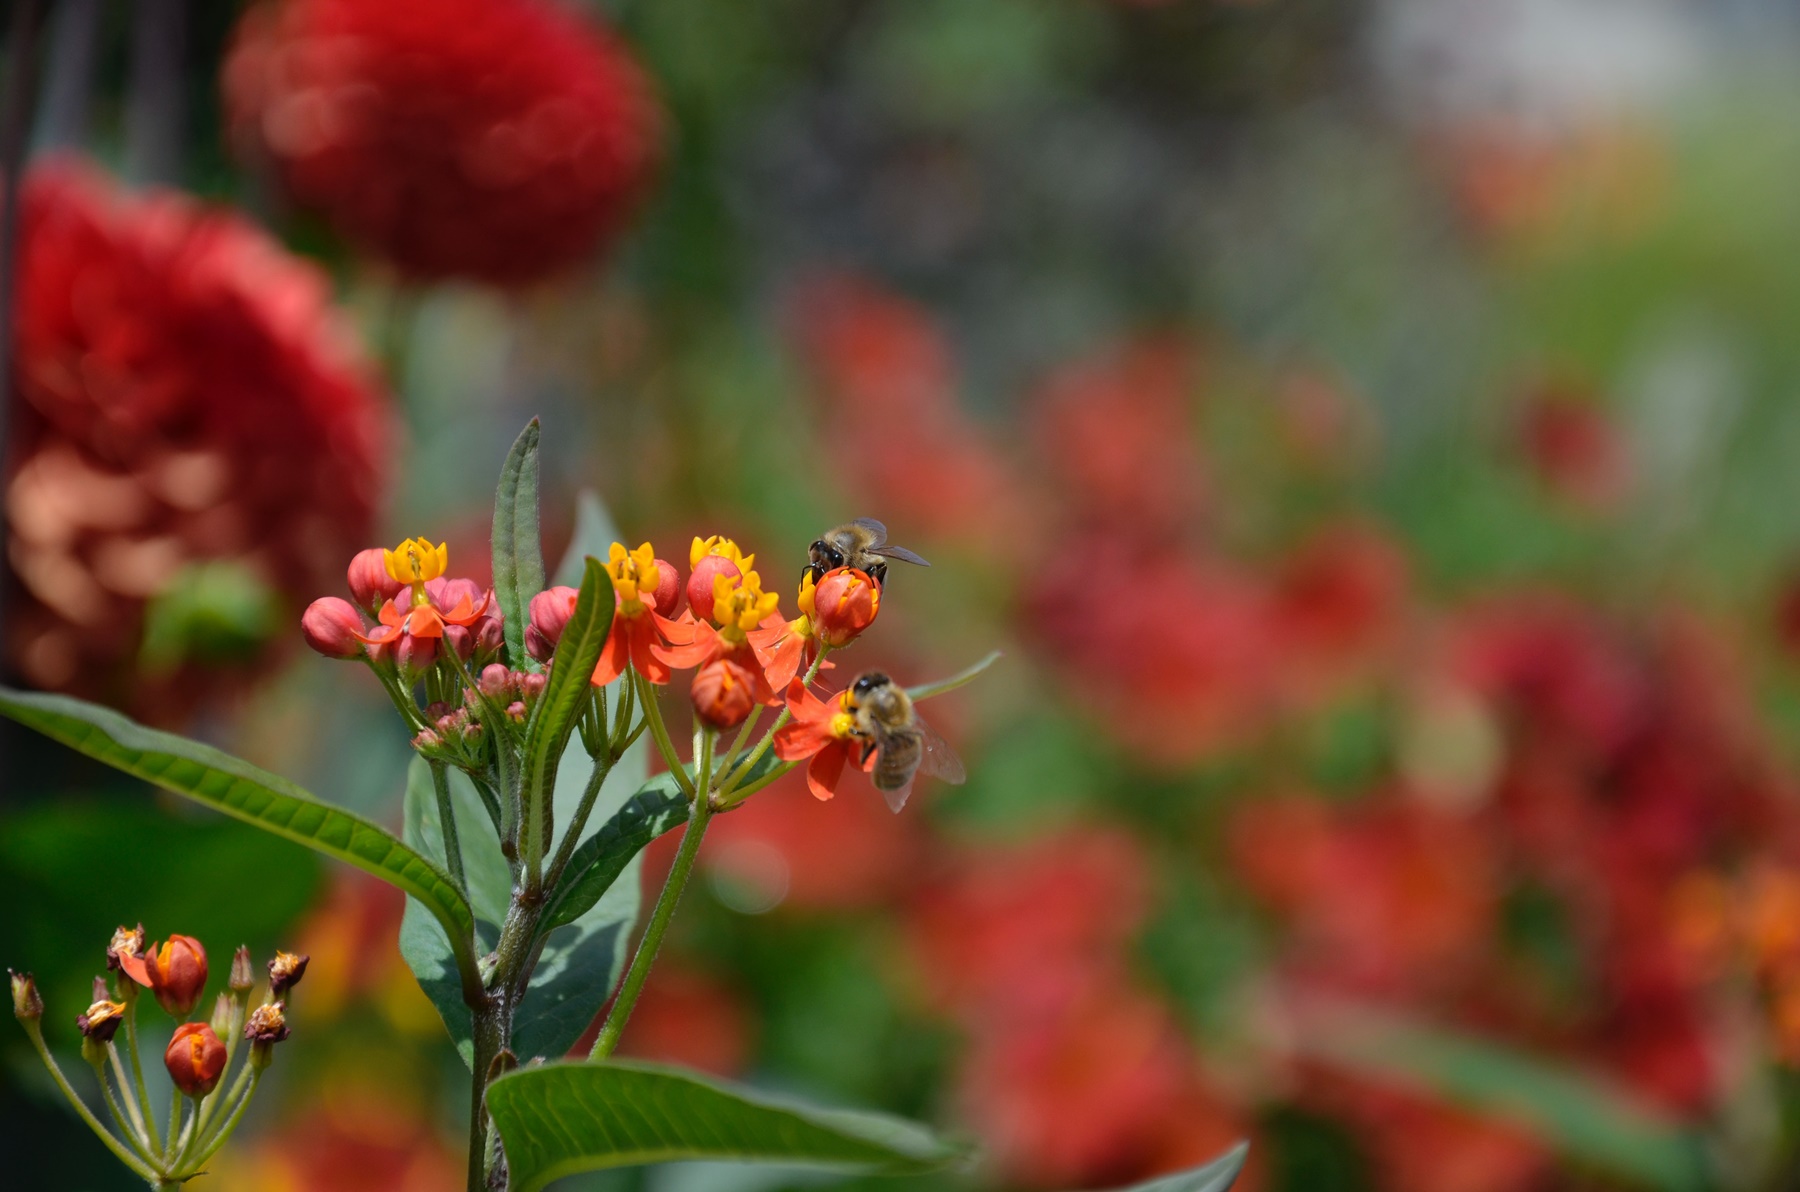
<point x="197" y="1057"/>
<point x="195" y="436"/>
<point x="497" y="140"/>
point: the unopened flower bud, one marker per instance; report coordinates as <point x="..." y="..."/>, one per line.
<point x="416" y="654"/>
<point x="550" y="612"/>
<point x="285" y="972"/>
<point x="700" y="585"/>
<point x="221" y="1015"/>
<point x="532" y="686"/>
<point x="101" y="1021"/>
<point x="126" y="941"/>
<point x="668" y="587"/>
<point x="331" y="626"/>
<point x="370" y="584"/>
<point x="515" y="711"/>
<point x="243" y="973"/>
<point x="28" y="1004"/>
<point x="495" y="681"/>
<point x="195" y="1059"/>
<point x="845" y="603"/>
<point x="490" y="635"/>
<point x="176" y="973"/>
<point x="722" y="694"/>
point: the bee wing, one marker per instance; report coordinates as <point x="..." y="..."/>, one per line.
<point x="936" y="758"/>
<point x="896" y="799"/>
<point x="877" y="531"/>
<point x="898" y="552"/>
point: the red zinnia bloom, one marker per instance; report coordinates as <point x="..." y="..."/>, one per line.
<point x="819" y="730"/>
<point x="499" y="140"/>
<point x="187" y="396"/>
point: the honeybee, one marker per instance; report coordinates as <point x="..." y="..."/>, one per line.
<point x="861" y="544"/>
<point x="884" y="722"/>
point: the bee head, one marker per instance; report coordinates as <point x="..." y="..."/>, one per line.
<point x="829" y="557"/>
<point x="869" y="682"/>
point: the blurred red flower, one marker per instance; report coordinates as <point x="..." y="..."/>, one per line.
<point x="1106" y="1092"/>
<point x="1010" y="930"/>
<point x="498" y="140"/>
<point x="1339" y="600"/>
<point x="1570" y="441"/>
<point x="1117" y="434"/>
<point x="786" y="848"/>
<point x="687" y="1017"/>
<point x="356" y="1138"/>
<point x="1175" y="652"/>
<point x="884" y="372"/>
<point x="187" y="395"/>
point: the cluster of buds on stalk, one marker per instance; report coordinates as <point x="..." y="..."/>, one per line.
<point x="207" y="1106"/>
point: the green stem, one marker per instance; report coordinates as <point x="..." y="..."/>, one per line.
<point x="221" y="1096"/>
<point x="698" y="818"/>
<point x="744" y="792"/>
<point x="174" y="1121"/>
<point x="602" y="767"/>
<point x="659" y="730"/>
<point x="129" y="990"/>
<point x="447" y="823"/>
<point x="213" y="1145"/>
<point x="142" y="1169"/>
<point x="133" y="1135"/>
<point x="137" y="1121"/>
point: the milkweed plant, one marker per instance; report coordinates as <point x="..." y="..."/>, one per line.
<point x="532" y="708"/>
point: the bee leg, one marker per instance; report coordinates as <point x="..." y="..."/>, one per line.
<point x="878" y="573"/>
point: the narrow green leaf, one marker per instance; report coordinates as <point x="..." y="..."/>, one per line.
<point x="1216" y="1176"/>
<point x="1591" y="1121"/>
<point x="559" y="1119"/>
<point x="254" y="795"/>
<point x="658" y="806"/>
<point x="927" y="690"/>
<point x="599" y="860"/>
<point x="570" y="681"/>
<point x="518" y="548"/>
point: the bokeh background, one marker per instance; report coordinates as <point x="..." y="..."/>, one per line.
<point x="1369" y="428"/>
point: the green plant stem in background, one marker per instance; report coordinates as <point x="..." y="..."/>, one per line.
<point x="129" y="994"/>
<point x="230" y="1124"/>
<point x="666" y="902"/>
<point x="136" y="1127"/>
<point x="572" y="834"/>
<point x="440" y="782"/>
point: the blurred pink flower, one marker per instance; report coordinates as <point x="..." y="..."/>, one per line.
<point x="498" y="140"/>
<point x="1571" y="443"/>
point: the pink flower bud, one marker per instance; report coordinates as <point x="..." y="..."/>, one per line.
<point x="550" y="613"/>
<point x="490" y="635"/>
<point x="495" y="680"/>
<point x="700" y="584"/>
<point x="668" y="587"/>
<point x="416" y="654"/>
<point x="331" y="626"/>
<point x="532" y="686"/>
<point x="370" y="584"/>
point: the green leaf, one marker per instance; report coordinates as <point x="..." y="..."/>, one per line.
<point x="566" y="694"/>
<point x="1216" y="1176"/>
<point x="423" y="944"/>
<point x="594" y="535"/>
<point x="518" y="549"/>
<point x="599" y="860"/>
<point x="559" y="1119"/>
<point x="1590" y="1120"/>
<point x="966" y="675"/>
<point x="254" y="795"/>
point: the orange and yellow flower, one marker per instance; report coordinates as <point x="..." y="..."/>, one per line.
<point x="637" y="631"/>
<point x="708" y="559"/>
<point x="740" y="609"/>
<point x="820" y="730"/>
